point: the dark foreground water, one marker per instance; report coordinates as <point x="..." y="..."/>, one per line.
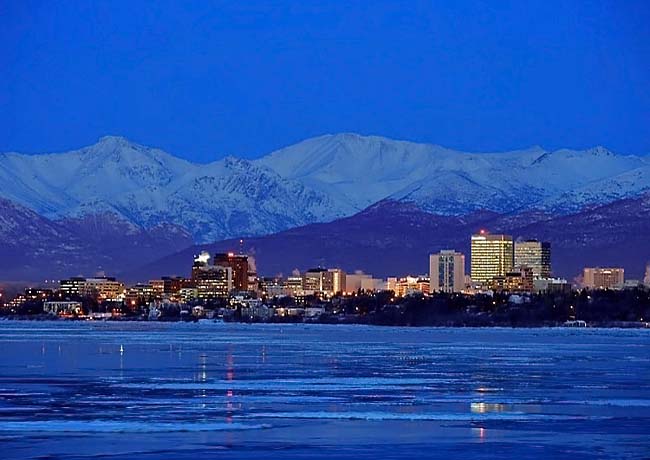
<point x="192" y="391"/>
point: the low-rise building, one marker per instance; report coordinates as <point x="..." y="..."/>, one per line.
<point x="603" y="278"/>
<point x="362" y="281"/>
<point x="551" y="285"/>
<point x="410" y="285"/>
<point x="100" y="288"/>
<point x="519" y="281"/>
<point x="63" y="308"/>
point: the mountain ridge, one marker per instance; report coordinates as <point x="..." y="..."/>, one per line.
<point x="393" y="238"/>
<point x="317" y="180"/>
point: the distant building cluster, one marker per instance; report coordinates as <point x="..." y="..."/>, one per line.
<point x="498" y="264"/>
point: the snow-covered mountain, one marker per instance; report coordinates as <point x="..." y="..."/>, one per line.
<point x="33" y="247"/>
<point x="362" y="170"/>
<point x="144" y="186"/>
<point x="392" y="238"/>
<point x="317" y="180"/>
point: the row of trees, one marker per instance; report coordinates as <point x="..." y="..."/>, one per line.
<point x="441" y="309"/>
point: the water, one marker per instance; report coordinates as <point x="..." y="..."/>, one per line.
<point x="184" y="391"/>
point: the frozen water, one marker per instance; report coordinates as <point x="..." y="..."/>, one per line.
<point x="150" y="390"/>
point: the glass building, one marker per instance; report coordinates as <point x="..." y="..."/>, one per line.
<point x="535" y="255"/>
<point x="492" y="255"/>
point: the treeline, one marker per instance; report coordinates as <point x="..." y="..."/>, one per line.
<point x="629" y="307"/>
<point x="598" y="308"/>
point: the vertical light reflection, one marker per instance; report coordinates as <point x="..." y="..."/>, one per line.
<point x="230" y="377"/>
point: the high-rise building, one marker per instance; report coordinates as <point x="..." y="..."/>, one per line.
<point x="603" y="278"/>
<point x="447" y="271"/>
<point x="334" y="281"/>
<point x="211" y="280"/>
<point x="321" y="280"/>
<point x="312" y="280"/>
<point x="535" y="255"/>
<point x="492" y="255"/>
<point x="239" y="265"/>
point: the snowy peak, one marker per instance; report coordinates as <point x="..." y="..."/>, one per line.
<point x="316" y="180"/>
<point x="348" y="154"/>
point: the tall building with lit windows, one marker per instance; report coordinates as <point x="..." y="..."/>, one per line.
<point x="211" y="281"/>
<point x="492" y="255"/>
<point x="535" y="255"/>
<point x="239" y="265"/>
<point x="447" y="271"/>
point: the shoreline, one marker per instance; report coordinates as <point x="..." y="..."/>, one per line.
<point x="604" y="325"/>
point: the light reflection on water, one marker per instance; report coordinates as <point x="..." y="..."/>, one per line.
<point x="346" y="391"/>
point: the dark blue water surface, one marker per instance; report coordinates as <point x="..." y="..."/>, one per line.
<point x="189" y="391"/>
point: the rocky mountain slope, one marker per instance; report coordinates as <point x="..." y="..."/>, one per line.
<point x="317" y="180"/>
<point x="34" y="248"/>
<point x="393" y="238"/>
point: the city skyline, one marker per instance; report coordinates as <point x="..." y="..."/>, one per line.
<point x="497" y="264"/>
<point x="355" y="230"/>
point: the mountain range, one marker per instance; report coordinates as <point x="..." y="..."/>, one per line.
<point x="121" y="206"/>
<point x="391" y="238"/>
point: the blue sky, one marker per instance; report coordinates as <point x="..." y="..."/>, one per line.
<point x="206" y="79"/>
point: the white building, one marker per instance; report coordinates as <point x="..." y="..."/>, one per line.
<point x="62" y="308"/>
<point x="447" y="271"/>
<point x="359" y="280"/>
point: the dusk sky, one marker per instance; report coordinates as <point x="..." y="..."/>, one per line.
<point x="207" y="79"/>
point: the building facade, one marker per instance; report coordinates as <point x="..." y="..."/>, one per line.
<point x="409" y="285"/>
<point x="99" y="288"/>
<point x="535" y="255"/>
<point x="492" y="255"/>
<point x="447" y="271"/>
<point x="603" y="278"/>
<point x="213" y="282"/>
<point x="239" y="265"/>
<point x="322" y="281"/>
<point x="518" y="281"/>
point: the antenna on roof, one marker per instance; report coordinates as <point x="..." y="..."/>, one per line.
<point x="241" y="246"/>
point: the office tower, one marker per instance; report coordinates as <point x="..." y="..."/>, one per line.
<point x="535" y="255"/>
<point x="212" y="281"/>
<point x="492" y="255"/>
<point x="239" y="265"/>
<point x="312" y="280"/>
<point x="447" y="271"/>
<point x="334" y="281"/>
<point x="603" y="278"/>
<point x="321" y="280"/>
